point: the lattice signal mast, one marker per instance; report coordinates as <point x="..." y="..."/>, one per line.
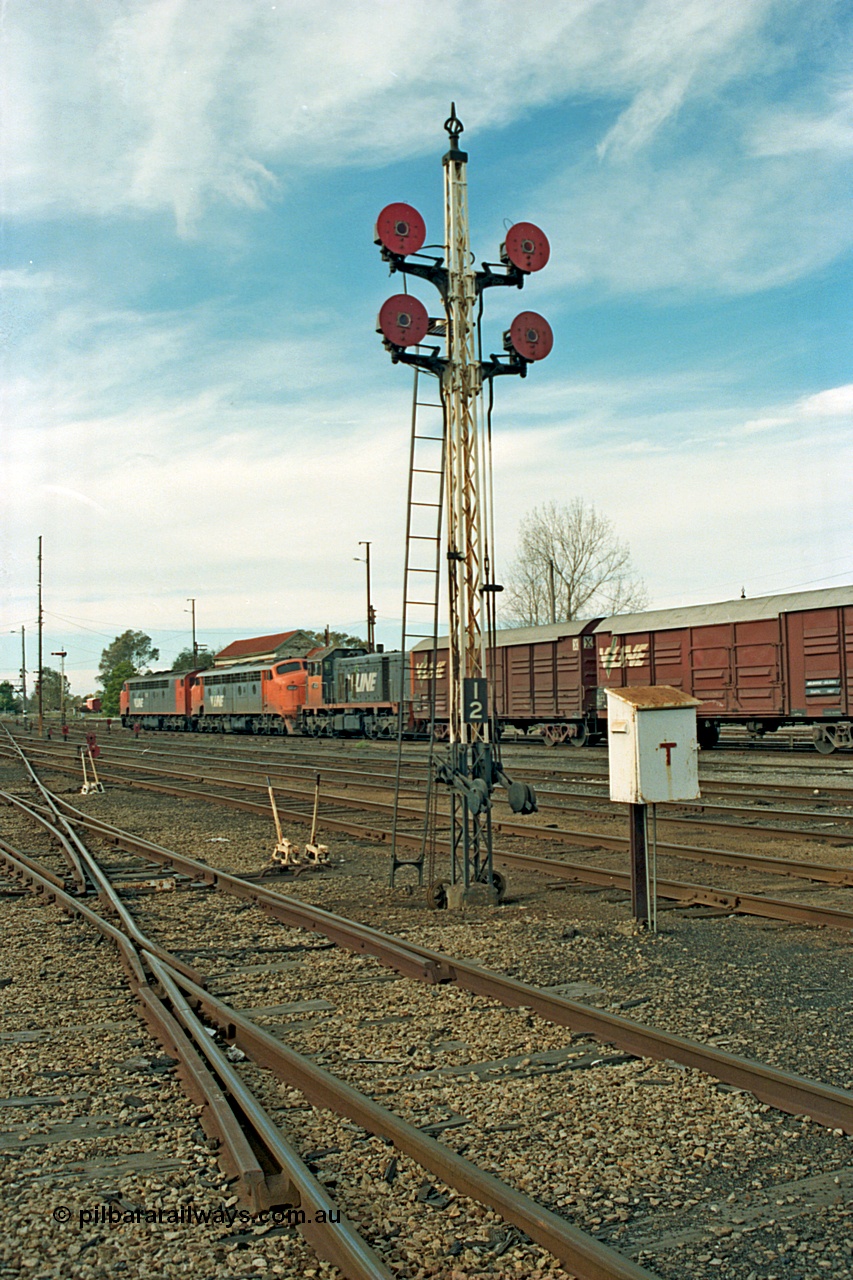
<point x="473" y="767"/>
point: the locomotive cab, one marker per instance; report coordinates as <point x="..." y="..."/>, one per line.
<point x="321" y="674"/>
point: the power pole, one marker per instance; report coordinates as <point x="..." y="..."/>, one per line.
<point x="371" y="612"/>
<point x="41" y="664"/>
<point x="23" y="672"/>
<point x="473" y="766"/>
<point x="191" y="601"/>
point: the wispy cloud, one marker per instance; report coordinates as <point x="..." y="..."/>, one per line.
<point x="786" y="132"/>
<point x="151" y="107"/>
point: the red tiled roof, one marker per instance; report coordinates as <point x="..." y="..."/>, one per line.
<point x="258" y="644"/>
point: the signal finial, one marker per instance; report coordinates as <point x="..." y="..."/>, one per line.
<point x="454" y="126"/>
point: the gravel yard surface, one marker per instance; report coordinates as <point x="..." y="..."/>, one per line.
<point x="690" y="1177"/>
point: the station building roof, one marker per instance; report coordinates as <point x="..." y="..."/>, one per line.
<point x="284" y="644"/>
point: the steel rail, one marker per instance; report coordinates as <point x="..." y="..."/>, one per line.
<point x="70" y="849"/>
<point x="586" y="1257"/>
<point x="557" y="802"/>
<point x="825" y="873"/>
<point x="106" y="892"/>
<point x="230" y="1112"/>
<point x="582" y="1254"/>
<point x="351" y="764"/>
<point x="293" y="1183"/>
<point x="687" y="893"/>
<point x="788" y="1091"/>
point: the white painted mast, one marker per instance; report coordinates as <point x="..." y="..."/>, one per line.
<point x="461" y="390"/>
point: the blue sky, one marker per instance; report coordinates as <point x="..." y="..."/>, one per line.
<point x="195" y="402"/>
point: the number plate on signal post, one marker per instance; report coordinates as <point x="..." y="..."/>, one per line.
<point x="475" y="707"/>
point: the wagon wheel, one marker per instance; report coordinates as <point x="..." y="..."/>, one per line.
<point x="823" y="742"/>
<point x="580" y="737"/>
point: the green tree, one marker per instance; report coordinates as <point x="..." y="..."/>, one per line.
<point x="112" y="688"/>
<point x="324" y="638"/>
<point x="8" y="701"/>
<point x="131" y="646"/>
<point x="189" y="661"/>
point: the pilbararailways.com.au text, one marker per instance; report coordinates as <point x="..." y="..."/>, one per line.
<point x="188" y="1215"/>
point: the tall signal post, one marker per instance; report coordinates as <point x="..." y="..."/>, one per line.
<point x="473" y="767"/>
<point x="62" y="654"/>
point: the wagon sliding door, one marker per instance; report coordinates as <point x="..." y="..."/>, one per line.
<point x="820" y="661"/>
<point x="711" y="667"/>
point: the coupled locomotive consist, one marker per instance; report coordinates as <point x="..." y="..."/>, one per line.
<point x="761" y="663"/>
<point x="333" y="692"/>
<point x="248" y="699"/>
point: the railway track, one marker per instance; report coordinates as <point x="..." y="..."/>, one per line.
<point x="181" y="991"/>
<point x="835" y="823"/>
<point x="269" y="1173"/>
<point x="381" y="776"/>
<point x="336" y="817"/>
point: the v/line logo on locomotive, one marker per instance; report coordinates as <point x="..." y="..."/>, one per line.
<point x="362" y="682"/>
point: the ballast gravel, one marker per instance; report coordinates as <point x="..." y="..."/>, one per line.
<point x="687" y="1176"/>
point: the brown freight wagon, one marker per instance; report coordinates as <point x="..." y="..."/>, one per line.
<point x="763" y="663"/>
<point x="542" y="677"/>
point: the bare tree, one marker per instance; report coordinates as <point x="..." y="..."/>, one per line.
<point x="570" y="564"/>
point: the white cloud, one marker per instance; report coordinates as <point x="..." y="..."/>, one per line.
<point x="21" y="278"/>
<point x="698" y="495"/>
<point x="836" y="402"/>
<point x="706" y="221"/>
<point x="785" y="132"/>
<point x="156" y="106"/>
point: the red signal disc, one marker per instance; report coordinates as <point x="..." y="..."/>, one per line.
<point x="400" y="228"/>
<point x="527" y="247"/>
<point x="531" y="335"/>
<point x="403" y="320"/>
